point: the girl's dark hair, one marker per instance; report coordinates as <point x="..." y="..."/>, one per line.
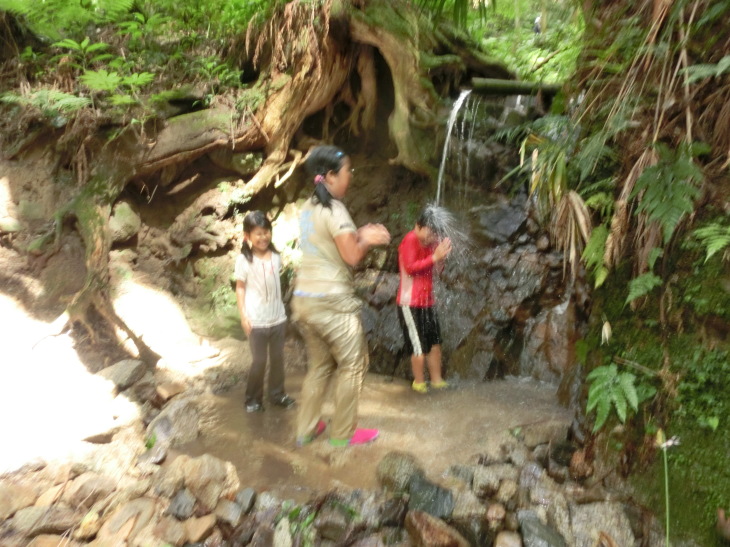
<point x="255" y="219"/>
<point x="322" y="160"/>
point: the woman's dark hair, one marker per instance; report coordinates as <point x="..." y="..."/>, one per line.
<point x="255" y="219"/>
<point x="322" y="160"/>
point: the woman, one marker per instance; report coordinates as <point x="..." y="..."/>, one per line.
<point x="324" y="305"/>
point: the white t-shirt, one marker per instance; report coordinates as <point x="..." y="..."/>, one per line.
<point x="263" y="303"/>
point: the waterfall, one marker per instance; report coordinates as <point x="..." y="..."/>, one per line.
<point x="450" y="126"/>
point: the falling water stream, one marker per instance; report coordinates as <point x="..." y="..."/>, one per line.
<point x="449" y="127"/>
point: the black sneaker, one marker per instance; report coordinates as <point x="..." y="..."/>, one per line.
<point x="254" y="407"/>
<point x="284" y="401"/>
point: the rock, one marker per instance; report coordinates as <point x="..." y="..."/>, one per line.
<point x="282" y="535"/>
<point x="263" y="537"/>
<point x="468" y="507"/>
<point x="426" y="530"/>
<point x="507" y="491"/>
<point x="199" y="528"/>
<point x="167" y="390"/>
<point x="393" y="512"/>
<point x="127" y="521"/>
<point x="87" y="489"/>
<point x="395" y="470"/>
<point x="537" y="534"/>
<point x="182" y="505"/>
<point x="331" y="522"/>
<point x="508" y="539"/>
<point x="49" y="497"/>
<point x="34" y="521"/>
<point x="487" y="479"/>
<point x="246" y="499"/>
<point x="430" y="498"/>
<point x="229" y="512"/>
<point x="170" y="531"/>
<point x="46" y="540"/>
<point x="89" y="526"/>
<point x="209" y="478"/>
<point x="496" y="512"/>
<point x="462" y="472"/>
<point x="607" y="517"/>
<point x="177" y="423"/>
<point x="124" y="221"/>
<point x="124" y="373"/>
<point x="14" y="497"/>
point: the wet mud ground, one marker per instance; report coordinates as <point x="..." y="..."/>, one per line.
<point x="441" y="429"/>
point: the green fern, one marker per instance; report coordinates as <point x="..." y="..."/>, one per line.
<point x="593" y="254"/>
<point x="101" y="80"/>
<point x="667" y="190"/>
<point x="702" y="71"/>
<point x="714" y="237"/>
<point x="609" y="389"/>
<point x="642" y="285"/>
<point x="50" y="102"/>
<point x="57" y="18"/>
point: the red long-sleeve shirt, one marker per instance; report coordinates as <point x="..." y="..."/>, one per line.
<point x="415" y="263"/>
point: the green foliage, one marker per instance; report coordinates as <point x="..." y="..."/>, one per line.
<point x="642" y="285"/>
<point x="667" y="190"/>
<point x="593" y="254"/>
<point x="57" y="18"/>
<point x="50" y="102"/>
<point x="611" y="389"/>
<point x="702" y="390"/>
<point x="84" y="53"/>
<point x="714" y="237"/>
<point x="699" y="72"/>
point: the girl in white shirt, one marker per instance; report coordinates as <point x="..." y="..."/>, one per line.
<point x="258" y="293"/>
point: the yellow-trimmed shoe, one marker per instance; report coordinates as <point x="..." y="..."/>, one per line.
<point x="440" y="385"/>
<point x="419" y="387"/>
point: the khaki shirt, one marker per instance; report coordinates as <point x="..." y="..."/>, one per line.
<point x="323" y="271"/>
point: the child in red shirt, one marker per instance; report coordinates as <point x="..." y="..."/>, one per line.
<point x="421" y="249"/>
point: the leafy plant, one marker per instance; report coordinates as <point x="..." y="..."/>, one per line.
<point x="667" y="190"/>
<point x="702" y="71"/>
<point x="714" y="237"/>
<point x="642" y="285"/>
<point x="84" y="52"/>
<point x="611" y="389"/>
<point x="50" y="102"/>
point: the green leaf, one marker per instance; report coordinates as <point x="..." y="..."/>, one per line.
<point x="619" y="401"/>
<point x="138" y="79"/>
<point x="653" y="255"/>
<point x="604" y="407"/>
<point x="642" y="285"/>
<point x="627" y="381"/>
<point x="101" y="80"/>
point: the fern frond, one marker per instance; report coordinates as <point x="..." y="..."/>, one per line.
<point x="714" y="237"/>
<point x="642" y="285"/>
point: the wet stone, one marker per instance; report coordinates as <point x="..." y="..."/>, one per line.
<point x="487" y="479"/>
<point x="229" y="512"/>
<point x="396" y="470"/>
<point x="263" y="537"/>
<point x="475" y="531"/>
<point x="182" y="505"/>
<point x="537" y="534"/>
<point x="424" y="529"/>
<point x="246" y="499"/>
<point x="89" y="488"/>
<point x="331" y="523"/>
<point x="462" y="472"/>
<point x="430" y="498"/>
<point x="393" y="512"/>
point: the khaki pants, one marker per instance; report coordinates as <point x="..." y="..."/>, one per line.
<point x="336" y="347"/>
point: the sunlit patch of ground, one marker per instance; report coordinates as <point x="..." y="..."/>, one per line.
<point x="49" y="402"/>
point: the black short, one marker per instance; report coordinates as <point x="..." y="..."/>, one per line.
<point x="420" y="329"/>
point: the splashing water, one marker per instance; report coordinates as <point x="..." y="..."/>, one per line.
<point x="446" y="225"/>
<point x="450" y="126"/>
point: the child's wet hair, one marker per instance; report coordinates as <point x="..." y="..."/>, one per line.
<point x="255" y="219"/>
<point x="432" y="218"/>
<point x="322" y="160"/>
